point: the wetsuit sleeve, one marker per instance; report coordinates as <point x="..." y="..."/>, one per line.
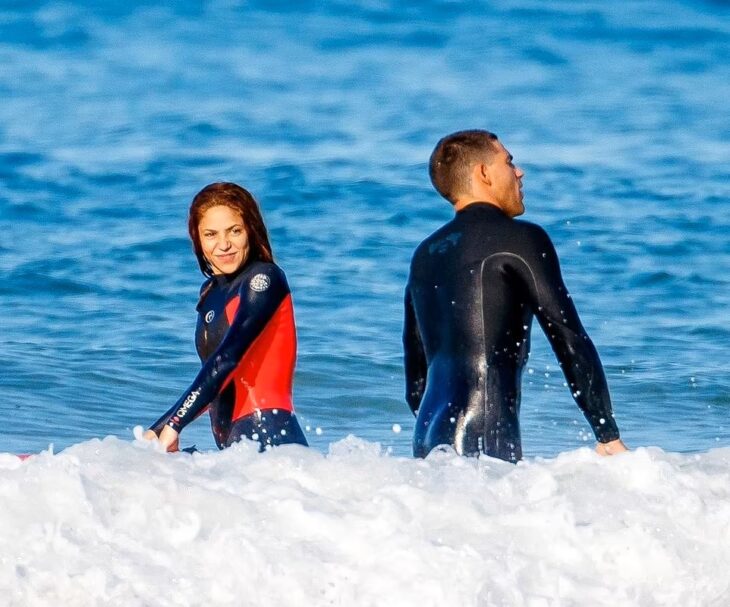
<point x="260" y="296"/>
<point x="414" y="357"/>
<point x="574" y="350"/>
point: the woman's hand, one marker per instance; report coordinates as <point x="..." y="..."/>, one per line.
<point x="149" y="435"/>
<point x="611" y="447"/>
<point x="168" y="437"/>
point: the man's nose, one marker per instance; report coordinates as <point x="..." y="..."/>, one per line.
<point x="519" y="172"/>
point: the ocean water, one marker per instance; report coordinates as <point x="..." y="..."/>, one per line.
<point x="113" y="115"/>
<point x="113" y="523"/>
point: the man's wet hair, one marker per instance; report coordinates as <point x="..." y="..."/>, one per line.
<point x="454" y="156"/>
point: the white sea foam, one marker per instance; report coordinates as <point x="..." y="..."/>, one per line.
<point x="120" y="523"/>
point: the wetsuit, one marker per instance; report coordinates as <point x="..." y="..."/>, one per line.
<point x="246" y="340"/>
<point x="473" y="289"/>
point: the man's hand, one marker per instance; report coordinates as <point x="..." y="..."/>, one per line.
<point x="611" y="448"/>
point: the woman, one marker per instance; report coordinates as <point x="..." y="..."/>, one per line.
<point x="245" y="335"/>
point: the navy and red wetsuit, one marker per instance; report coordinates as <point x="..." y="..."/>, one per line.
<point x="474" y="287"/>
<point x="246" y="340"/>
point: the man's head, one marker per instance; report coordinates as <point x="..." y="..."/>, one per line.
<point x="473" y="166"/>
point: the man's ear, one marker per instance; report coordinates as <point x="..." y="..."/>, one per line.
<point x="483" y="174"/>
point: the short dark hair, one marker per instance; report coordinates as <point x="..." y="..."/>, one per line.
<point x="453" y="157"/>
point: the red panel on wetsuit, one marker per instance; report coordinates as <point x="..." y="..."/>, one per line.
<point x="232" y="308"/>
<point x="263" y="379"/>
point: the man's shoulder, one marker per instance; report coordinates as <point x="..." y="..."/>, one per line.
<point x="531" y="230"/>
<point x="436" y="236"/>
<point x="528" y="226"/>
<point x="423" y="245"/>
<point x="533" y="243"/>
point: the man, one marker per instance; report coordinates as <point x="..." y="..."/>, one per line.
<point x="473" y="289"/>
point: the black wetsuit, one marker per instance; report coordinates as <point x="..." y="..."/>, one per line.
<point x="246" y="339"/>
<point x="473" y="289"/>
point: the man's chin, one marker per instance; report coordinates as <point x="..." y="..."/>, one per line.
<point x="516" y="212"/>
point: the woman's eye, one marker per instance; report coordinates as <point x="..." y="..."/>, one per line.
<point x="236" y="231"/>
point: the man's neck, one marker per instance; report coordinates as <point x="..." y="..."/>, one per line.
<point x="462" y="203"/>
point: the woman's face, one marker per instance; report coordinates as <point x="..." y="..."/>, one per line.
<point x="223" y="239"/>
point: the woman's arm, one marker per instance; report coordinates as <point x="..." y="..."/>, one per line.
<point x="260" y="296"/>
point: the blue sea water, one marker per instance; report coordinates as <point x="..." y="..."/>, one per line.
<point x="113" y="115"/>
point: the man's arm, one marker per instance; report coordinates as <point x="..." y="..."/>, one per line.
<point x="414" y="357"/>
<point x="574" y="350"/>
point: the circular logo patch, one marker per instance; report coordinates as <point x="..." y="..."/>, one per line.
<point x="260" y="283"/>
<point x="210" y="316"/>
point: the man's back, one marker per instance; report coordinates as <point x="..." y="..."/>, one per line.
<point x="474" y="287"/>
